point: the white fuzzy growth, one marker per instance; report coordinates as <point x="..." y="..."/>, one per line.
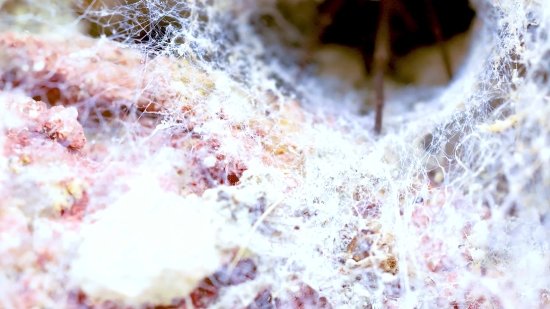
<point x="460" y="175"/>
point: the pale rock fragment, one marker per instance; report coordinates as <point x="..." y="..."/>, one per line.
<point x="149" y="246"/>
<point x="479" y="235"/>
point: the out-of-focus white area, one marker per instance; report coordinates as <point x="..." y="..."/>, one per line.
<point x="149" y="246"/>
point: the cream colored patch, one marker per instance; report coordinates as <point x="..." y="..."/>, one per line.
<point x="425" y="67"/>
<point x="150" y="247"/>
<point x="344" y="63"/>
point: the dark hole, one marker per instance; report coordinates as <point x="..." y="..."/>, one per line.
<point x="355" y="23"/>
<point x="233" y="179"/>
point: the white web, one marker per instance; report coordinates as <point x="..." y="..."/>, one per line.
<point x="198" y="117"/>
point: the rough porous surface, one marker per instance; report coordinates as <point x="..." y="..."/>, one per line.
<point x="176" y="154"/>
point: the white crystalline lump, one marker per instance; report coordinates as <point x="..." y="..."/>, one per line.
<point x="479" y="235"/>
<point x="148" y="247"/>
<point x="209" y="161"/>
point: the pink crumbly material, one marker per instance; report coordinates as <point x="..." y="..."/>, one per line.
<point x="54" y="135"/>
<point x="55" y="174"/>
<point x="55" y="181"/>
<point x="58" y="123"/>
<point x="81" y="71"/>
<point x="37" y="211"/>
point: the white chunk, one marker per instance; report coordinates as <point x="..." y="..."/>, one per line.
<point x="148" y="247"/>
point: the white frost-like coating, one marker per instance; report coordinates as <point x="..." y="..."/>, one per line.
<point x="148" y="247"/>
<point x="449" y="207"/>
